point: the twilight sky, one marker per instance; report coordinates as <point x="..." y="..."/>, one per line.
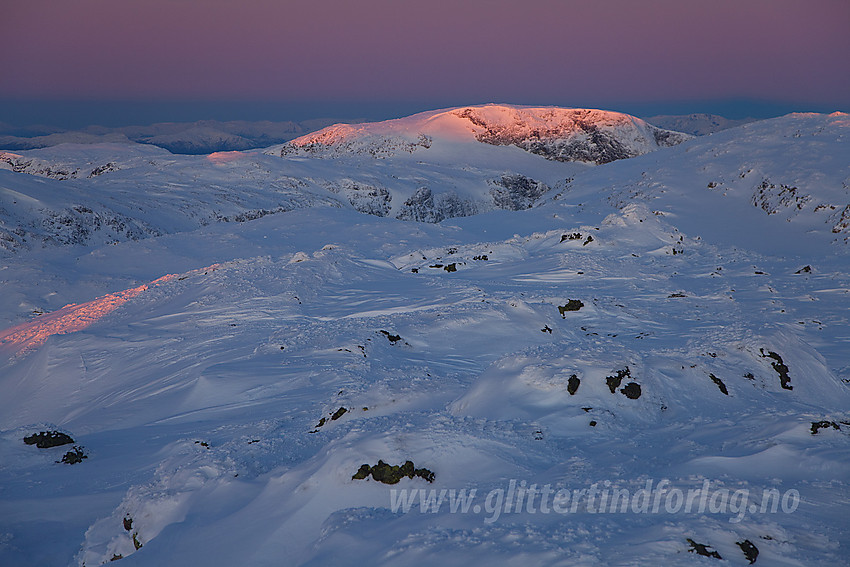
<point x="591" y="52"/>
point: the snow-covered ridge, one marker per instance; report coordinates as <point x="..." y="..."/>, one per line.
<point x="562" y="134"/>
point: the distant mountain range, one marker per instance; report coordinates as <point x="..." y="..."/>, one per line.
<point x="201" y="137"/>
<point x="209" y="136"/>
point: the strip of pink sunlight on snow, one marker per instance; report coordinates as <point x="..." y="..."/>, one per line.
<point x="221" y="158"/>
<point x="74" y="317"/>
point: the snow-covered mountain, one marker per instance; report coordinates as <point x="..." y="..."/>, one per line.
<point x="430" y="186"/>
<point x="656" y="350"/>
<point x="562" y="134"/>
<point x="698" y="124"/>
<point x="202" y="137"/>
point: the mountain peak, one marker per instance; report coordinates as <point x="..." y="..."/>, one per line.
<point x="561" y="134"/>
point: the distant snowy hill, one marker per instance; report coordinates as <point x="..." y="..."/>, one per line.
<point x="784" y="180"/>
<point x="562" y="134"/>
<point x="697" y="124"/>
<point x="196" y="138"/>
<point x="220" y="360"/>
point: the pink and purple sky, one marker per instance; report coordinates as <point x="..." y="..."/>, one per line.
<point x="603" y="53"/>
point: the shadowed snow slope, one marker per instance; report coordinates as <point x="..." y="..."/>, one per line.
<point x="676" y="322"/>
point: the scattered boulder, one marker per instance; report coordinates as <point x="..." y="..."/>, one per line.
<point x="804" y="270"/>
<point x="631" y="390"/>
<point x="818" y="425"/>
<point x="450" y="267"/>
<point x="47" y="439"/>
<point x="751" y="552"/>
<point x="338" y="414"/>
<point x="573" y="236"/>
<point x="392" y="474"/>
<point x="572" y="384"/>
<point x="702" y="549"/>
<point x="390" y="337"/>
<point x="572" y="305"/>
<point x="615" y="381"/>
<point x="74" y="456"/>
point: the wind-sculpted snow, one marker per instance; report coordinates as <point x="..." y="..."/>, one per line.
<point x="644" y="336"/>
<point x="72" y="318"/>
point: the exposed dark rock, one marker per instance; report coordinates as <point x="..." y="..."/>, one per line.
<point x="392" y="474"/>
<point x="702" y="549"/>
<point x="804" y="270"/>
<point x="572" y="384"/>
<point x="572" y="305"/>
<point x="780" y="367"/>
<point x="573" y="236"/>
<point x="614" y="381"/>
<point x="422" y="206"/>
<point x="593" y="423"/>
<point x="392" y="338"/>
<point x="517" y="192"/>
<point x="546" y="329"/>
<point x="74" y="456"/>
<point x="450" y="267"/>
<point x="719" y="383"/>
<point x="47" y="439"/>
<point x="588" y="241"/>
<point x="818" y="425"/>
<point x="772" y="200"/>
<point x="128" y="523"/>
<point x="101" y="169"/>
<point x="338" y="414"/>
<point x="366" y="198"/>
<point x="631" y="390"/>
<point x="751" y="552"/>
<point x="577" y="135"/>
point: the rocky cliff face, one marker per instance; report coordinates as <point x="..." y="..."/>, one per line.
<point x="561" y="134"/>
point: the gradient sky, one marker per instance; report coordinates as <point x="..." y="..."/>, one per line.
<point x="523" y="51"/>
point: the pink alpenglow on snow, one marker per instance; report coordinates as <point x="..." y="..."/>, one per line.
<point x="74" y="317"/>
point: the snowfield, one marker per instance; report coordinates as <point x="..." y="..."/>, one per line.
<point x="642" y="362"/>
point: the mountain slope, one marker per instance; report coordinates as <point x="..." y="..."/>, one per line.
<point x="648" y="331"/>
<point x="773" y="186"/>
<point x="562" y="134"/>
